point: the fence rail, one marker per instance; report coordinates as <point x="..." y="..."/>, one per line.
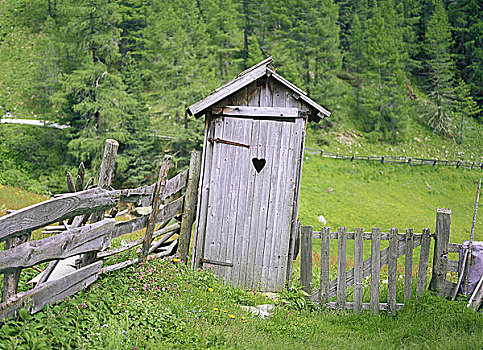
<point x="397" y="159"/>
<point x="85" y="233"/>
<point x="400" y="244"/>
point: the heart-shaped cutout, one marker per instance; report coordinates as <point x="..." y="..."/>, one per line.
<point x="259" y="164"/>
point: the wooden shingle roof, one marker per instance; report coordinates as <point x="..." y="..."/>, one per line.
<point x="259" y="70"/>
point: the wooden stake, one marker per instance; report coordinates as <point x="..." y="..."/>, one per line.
<point x="189" y="207"/>
<point x="156" y="203"/>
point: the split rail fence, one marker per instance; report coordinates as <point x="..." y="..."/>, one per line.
<point x="398" y="159"/>
<point x="400" y="244"/>
<point x="87" y="233"/>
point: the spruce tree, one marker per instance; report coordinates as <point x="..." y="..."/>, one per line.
<point x="384" y="79"/>
<point x="440" y="68"/>
<point x="465" y="107"/>
<point x="355" y="59"/>
<point x="93" y="99"/>
<point x="466" y="18"/>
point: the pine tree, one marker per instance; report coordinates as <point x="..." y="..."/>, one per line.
<point x="440" y="67"/>
<point x="384" y="78"/>
<point x="356" y="59"/>
<point x="465" y="106"/>
<point x="466" y="17"/>
<point x="93" y="98"/>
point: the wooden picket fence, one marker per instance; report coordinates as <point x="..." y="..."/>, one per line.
<point x="400" y="244"/>
<point x="88" y="233"/>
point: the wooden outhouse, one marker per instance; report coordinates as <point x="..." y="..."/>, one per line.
<point x="251" y="170"/>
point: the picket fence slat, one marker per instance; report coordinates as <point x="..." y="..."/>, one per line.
<point x="375" y="269"/>
<point x="324" y="266"/>
<point x="341" y="268"/>
<point x="408" y="265"/>
<point x="423" y="262"/>
<point x="358" y="265"/>
<point x="392" y="271"/>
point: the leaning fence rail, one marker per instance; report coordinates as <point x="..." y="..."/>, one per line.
<point x="412" y="161"/>
<point x="90" y="238"/>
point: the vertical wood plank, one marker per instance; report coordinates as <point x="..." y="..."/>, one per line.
<point x="306" y="258"/>
<point x="246" y="264"/>
<point x="202" y="205"/>
<point x="280" y="214"/>
<point x="273" y="205"/>
<point x="392" y="272"/>
<point x="189" y="205"/>
<point x="281" y="254"/>
<point x="156" y="203"/>
<point x="238" y="171"/>
<point x="358" y="261"/>
<point x="222" y="199"/>
<point x="105" y="177"/>
<point x="375" y="269"/>
<point x="242" y="203"/>
<point x="11" y="279"/>
<point x="408" y="265"/>
<point x="299" y="142"/>
<point x="341" y="267"/>
<point x="214" y="198"/>
<point x="324" y="265"/>
<point x="441" y="243"/>
<point x="423" y="262"/>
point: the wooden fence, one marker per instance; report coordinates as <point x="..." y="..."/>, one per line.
<point x="411" y="161"/>
<point x="400" y="244"/>
<point x="88" y="232"/>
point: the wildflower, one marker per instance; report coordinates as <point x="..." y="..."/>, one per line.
<point x="215" y="315"/>
<point x="224" y="311"/>
<point x="242" y="317"/>
<point x="232" y="316"/>
<point x="175" y="260"/>
<point x="210" y="289"/>
<point x="215" y="309"/>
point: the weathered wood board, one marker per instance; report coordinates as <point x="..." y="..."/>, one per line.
<point x="248" y="195"/>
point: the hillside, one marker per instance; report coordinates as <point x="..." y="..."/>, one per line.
<point x="399" y="76"/>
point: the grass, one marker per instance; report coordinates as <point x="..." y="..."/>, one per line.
<point x="167" y="305"/>
<point x="16" y="198"/>
<point x="370" y="194"/>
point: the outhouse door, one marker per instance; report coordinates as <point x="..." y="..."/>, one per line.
<point x="249" y="198"/>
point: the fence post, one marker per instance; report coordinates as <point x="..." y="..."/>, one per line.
<point x="10" y="279"/>
<point x="189" y="205"/>
<point x="105" y="178"/>
<point x="441" y="244"/>
<point x="306" y="258"/>
<point x="158" y="196"/>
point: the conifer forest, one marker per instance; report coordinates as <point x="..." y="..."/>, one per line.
<point x="127" y="69"/>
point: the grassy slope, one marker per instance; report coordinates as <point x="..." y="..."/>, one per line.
<point x="168" y="306"/>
